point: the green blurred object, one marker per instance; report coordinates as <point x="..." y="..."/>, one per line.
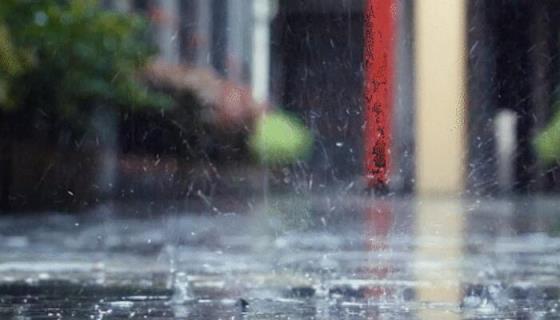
<point x="280" y="138"/>
<point x="547" y="143"/>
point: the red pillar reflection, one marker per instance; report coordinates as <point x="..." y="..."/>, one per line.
<point x="380" y="219"/>
<point x="378" y="89"/>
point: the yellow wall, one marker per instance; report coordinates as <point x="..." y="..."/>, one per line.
<point x="440" y="37"/>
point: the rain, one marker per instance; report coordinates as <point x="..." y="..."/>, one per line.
<point x="279" y="159"/>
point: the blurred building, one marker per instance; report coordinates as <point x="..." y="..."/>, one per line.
<point x="204" y="33"/>
<point x="317" y="58"/>
<point x="305" y="57"/>
<point x="513" y="49"/>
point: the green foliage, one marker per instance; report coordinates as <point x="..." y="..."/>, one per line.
<point x="547" y="142"/>
<point x="63" y="56"/>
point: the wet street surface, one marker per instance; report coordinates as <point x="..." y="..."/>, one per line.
<point x="293" y="258"/>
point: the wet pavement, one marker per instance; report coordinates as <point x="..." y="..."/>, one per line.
<point x="296" y="257"/>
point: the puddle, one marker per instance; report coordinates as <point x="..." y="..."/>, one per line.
<point x="364" y="260"/>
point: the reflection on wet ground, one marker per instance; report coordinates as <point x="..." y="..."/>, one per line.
<point x="297" y="258"/>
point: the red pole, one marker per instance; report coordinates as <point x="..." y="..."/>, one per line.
<point x="378" y="89"/>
